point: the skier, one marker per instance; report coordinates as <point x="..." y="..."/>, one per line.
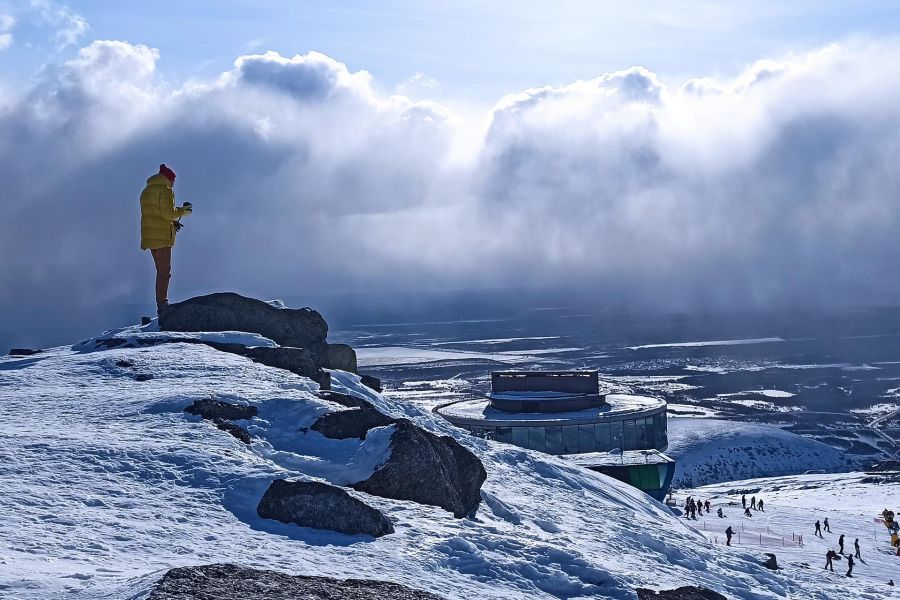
<point x="753" y="502"/>
<point x="747" y="512"/>
<point x="743" y="501"/>
<point x="841" y="543"/>
<point x="759" y="505"/>
<point x="720" y="513"/>
<point x="728" y="534"/>
<point x="856" y="547"/>
<point x="707" y="507"/>
<point x="849" y="566"/>
<point x="159" y="223"/>
<point x="818" y="529"/>
<point x="829" y="557"/>
<point x="827" y="526"/>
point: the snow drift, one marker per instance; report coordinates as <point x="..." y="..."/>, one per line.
<point x="710" y="451"/>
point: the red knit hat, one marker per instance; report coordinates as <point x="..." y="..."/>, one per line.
<point x="164" y="170"/>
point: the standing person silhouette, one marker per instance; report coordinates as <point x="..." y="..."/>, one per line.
<point x="159" y="224"/>
<point x="856" y="547"/>
<point x="827" y="526"/>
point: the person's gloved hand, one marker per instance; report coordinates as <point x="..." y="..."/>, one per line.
<point x="177" y="225"/>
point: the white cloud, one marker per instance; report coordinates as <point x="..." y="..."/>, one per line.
<point x="777" y="187"/>
<point x="7" y="22"/>
<point x="68" y="26"/>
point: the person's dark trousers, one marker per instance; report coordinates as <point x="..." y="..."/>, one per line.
<point x="162" y="258"/>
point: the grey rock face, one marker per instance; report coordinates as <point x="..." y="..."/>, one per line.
<point x="373" y="383"/>
<point x="428" y="469"/>
<point x="230" y="582"/>
<point x="687" y="592"/>
<point x="352" y="423"/>
<point x="341" y="357"/>
<point x="303" y="328"/>
<point x="216" y="409"/>
<point x="321" y="506"/>
<point x="23" y="352"/>
<point x="301" y="361"/>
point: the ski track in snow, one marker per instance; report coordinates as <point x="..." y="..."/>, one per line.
<point x="107" y="484"/>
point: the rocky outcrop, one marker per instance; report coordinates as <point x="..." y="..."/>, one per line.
<point x="230" y="582"/>
<point x="351" y="423"/>
<point x="341" y="357"/>
<point x="23" y="352"/>
<point x="216" y="409"/>
<point x="233" y="429"/>
<point x="688" y="592"/>
<point x="222" y="414"/>
<point x="428" y="469"/>
<point x="300" y="332"/>
<point x="321" y="506"/>
<point x="302" y="328"/>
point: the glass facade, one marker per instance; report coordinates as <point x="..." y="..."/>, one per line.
<point x="642" y="433"/>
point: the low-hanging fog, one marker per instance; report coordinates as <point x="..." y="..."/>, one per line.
<point x="777" y="188"/>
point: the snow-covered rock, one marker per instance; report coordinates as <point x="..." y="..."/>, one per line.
<point x="712" y="450"/>
<point x="429" y="469"/>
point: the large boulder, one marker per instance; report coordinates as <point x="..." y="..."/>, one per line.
<point x="231" y="582"/>
<point x="428" y="469"/>
<point x="351" y="423"/>
<point x="321" y="506"/>
<point x="303" y="327"/>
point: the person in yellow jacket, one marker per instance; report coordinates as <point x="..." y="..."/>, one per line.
<point x="159" y="223"/>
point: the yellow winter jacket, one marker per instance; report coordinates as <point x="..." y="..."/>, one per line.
<point x="158" y="213"/>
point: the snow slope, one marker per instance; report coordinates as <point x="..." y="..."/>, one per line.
<point x="106" y="483"/>
<point x="711" y="450"/>
<point x="850" y="501"/>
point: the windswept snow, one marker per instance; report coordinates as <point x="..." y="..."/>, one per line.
<point x="107" y="483"/>
<point x="711" y="450"/>
<point x="768" y="340"/>
<point x="137" y="335"/>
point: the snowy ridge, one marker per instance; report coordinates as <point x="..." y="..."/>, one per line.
<point x="108" y="483"/>
<point x="711" y="450"/>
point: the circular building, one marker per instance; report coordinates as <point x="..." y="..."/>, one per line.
<point x="566" y="413"/>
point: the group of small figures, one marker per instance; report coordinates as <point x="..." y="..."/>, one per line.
<point x="693" y="507"/>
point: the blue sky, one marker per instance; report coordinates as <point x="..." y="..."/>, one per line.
<point x="468" y="51"/>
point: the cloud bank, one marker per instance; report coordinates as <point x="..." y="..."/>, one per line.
<point x="776" y="188"/>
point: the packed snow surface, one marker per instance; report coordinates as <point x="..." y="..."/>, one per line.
<point x="713" y="450"/>
<point x="107" y="483"/>
<point x="852" y="503"/>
